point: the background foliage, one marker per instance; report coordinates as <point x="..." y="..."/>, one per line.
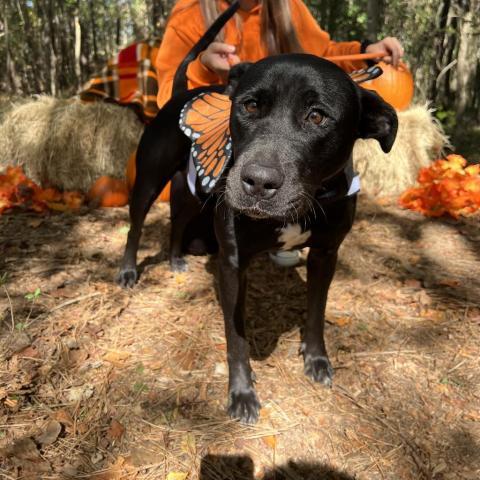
<point x="53" y="46"/>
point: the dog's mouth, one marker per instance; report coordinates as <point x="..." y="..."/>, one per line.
<point x="293" y="210"/>
<point x="256" y="213"/>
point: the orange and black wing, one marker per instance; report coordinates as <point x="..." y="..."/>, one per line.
<point x="205" y="120"/>
<point x="360" y="76"/>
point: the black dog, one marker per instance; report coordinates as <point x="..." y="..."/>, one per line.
<point x="294" y="120"/>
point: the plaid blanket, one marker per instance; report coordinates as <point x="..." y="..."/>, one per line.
<point x="128" y="79"/>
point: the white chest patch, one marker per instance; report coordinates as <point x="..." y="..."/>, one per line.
<point x="292" y="235"/>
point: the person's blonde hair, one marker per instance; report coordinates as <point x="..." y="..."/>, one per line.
<point x="277" y="32"/>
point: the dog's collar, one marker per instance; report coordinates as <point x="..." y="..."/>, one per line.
<point x="343" y="188"/>
<point x="344" y="184"/>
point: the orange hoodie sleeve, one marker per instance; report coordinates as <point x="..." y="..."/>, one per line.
<point x="316" y="41"/>
<point x="184" y="29"/>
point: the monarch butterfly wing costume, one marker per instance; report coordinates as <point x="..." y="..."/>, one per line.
<point x="206" y="121"/>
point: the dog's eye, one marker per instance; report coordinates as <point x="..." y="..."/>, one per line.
<point x="251" y="106"/>
<point x="315" y="117"/>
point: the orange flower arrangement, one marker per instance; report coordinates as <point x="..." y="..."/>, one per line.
<point x="446" y="187"/>
<point x="17" y="190"/>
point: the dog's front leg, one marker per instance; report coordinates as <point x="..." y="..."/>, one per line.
<point x="242" y="399"/>
<point x="243" y="403"/>
<point x="320" y="270"/>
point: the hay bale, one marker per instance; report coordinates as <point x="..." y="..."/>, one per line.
<point x="66" y="143"/>
<point x="420" y="140"/>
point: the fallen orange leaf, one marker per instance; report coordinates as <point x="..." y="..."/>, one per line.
<point x="270" y="441"/>
<point x="177" y="476"/>
<point x="63" y="417"/>
<point x="116" y="430"/>
<point x="342" y="321"/>
<point x="116" y="357"/>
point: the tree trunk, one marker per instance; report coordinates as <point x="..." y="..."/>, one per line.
<point x="32" y="47"/>
<point x="334" y="15"/>
<point x="468" y="56"/>
<point x="118" y="31"/>
<point x="78" y="46"/>
<point x="439" y="42"/>
<point x="157" y="13"/>
<point x="374" y="10"/>
<point x="50" y="37"/>
<point x="94" y="32"/>
<point x="450" y="46"/>
<point x="12" y="76"/>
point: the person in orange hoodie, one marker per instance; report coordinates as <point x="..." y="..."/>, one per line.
<point x="260" y="28"/>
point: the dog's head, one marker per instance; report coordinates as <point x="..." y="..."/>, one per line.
<point x="293" y="124"/>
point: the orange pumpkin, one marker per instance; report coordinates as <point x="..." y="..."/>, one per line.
<point x="131" y="173"/>
<point x="109" y="192"/>
<point x="131" y="170"/>
<point x="395" y="85"/>
<point x="165" y="195"/>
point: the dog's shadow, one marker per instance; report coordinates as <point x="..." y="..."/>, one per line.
<point x="241" y="467"/>
<point x="276" y="297"/>
<point x="276" y="303"/>
<point x="153" y="234"/>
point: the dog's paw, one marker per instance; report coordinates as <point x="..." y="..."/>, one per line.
<point x="127" y="277"/>
<point x="244" y="405"/>
<point x="178" y="264"/>
<point x="319" y="369"/>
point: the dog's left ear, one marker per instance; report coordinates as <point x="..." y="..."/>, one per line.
<point x="234" y="76"/>
<point x="378" y="119"/>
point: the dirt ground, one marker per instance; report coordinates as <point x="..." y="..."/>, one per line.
<point x="101" y="383"/>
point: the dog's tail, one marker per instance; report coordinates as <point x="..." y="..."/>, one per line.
<point x="180" y="79"/>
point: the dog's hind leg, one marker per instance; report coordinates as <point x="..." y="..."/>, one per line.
<point x="157" y="161"/>
<point x="183" y="208"/>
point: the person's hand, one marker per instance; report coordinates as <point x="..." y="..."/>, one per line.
<point x="219" y="57"/>
<point x="392" y="46"/>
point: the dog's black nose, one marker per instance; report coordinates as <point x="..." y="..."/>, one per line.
<point x="261" y="181"/>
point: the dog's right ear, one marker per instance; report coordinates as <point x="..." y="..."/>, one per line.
<point x="236" y="72"/>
